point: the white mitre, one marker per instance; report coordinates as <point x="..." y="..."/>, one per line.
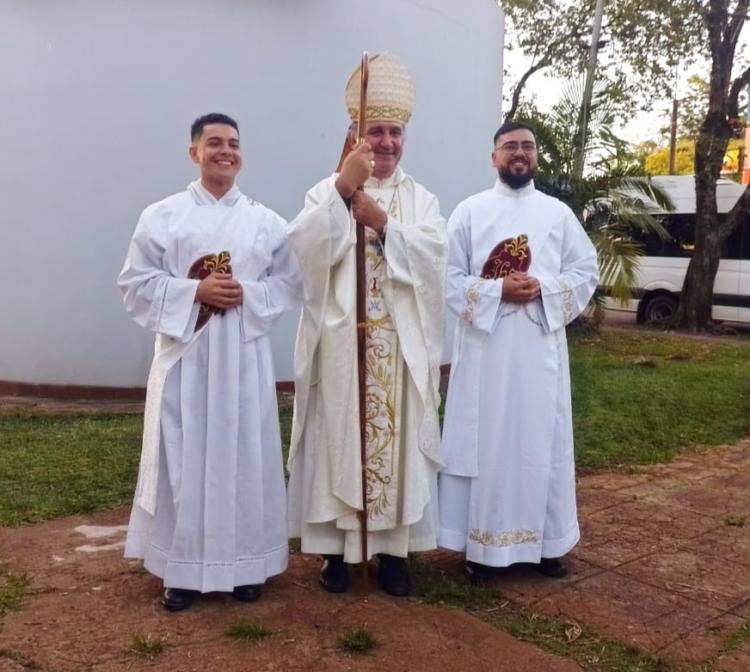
<point x="390" y="91"/>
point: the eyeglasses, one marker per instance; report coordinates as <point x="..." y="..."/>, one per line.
<point x="513" y="147"/>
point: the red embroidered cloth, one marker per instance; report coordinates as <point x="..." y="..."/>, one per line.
<point x="512" y="254"/>
<point x="203" y="267"/>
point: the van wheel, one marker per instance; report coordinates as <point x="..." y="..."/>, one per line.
<point x="659" y="307"/>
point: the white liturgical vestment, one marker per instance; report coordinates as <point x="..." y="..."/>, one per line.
<point x="209" y="511"/>
<point x="507" y="493"/>
<point x="405" y="298"/>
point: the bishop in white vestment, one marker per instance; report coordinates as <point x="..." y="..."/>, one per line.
<point x="405" y="255"/>
<point x="520" y="268"/>
<point x="209" y="271"/>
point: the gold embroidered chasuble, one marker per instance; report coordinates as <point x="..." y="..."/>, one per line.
<point x="405" y="274"/>
<point x="384" y="371"/>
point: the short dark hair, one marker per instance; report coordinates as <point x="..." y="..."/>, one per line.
<point x="213" y="118"/>
<point x="509" y="126"/>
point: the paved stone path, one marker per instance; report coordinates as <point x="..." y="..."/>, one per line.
<point x="664" y="560"/>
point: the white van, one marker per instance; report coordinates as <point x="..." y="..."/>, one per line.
<point x="656" y="293"/>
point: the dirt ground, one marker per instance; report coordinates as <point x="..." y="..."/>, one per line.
<point x="662" y="565"/>
<point x="85" y="604"/>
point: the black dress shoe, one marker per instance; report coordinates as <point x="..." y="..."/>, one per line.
<point x="553" y="567"/>
<point x="479" y="573"/>
<point x="177" y="599"/>
<point x="393" y="575"/>
<point x="249" y="593"/>
<point x="334" y="575"/>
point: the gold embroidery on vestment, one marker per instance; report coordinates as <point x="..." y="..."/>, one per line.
<point x="217" y="263"/>
<point x="394" y="206"/>
<point x="504" y="539"/>
<point x="375" y="324"/>
<point x="518" y="246"/>
<point x="382" y="369"/>
<point x="382" y="112"/>
<point x="472" y="296"/>
<point x="508" y="256"/>
<point x="567" y="301"/>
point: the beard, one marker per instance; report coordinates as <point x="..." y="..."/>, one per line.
<point x="516" y="180"/>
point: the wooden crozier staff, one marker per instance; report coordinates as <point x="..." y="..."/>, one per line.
<point x="361" y="320"/>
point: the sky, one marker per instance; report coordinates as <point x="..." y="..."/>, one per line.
<point x="547" y="91"/>
<point x="646" y="125"/>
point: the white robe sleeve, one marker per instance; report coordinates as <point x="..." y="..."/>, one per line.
<point x="425" y="237"/>
<point x="322" y="233"/>
<point x="473" y="299"/>
<point x="566" y="295"/>
<point x="155" y="299"/>
<point x="415" y="254"/>
<point x="265" y="300"/>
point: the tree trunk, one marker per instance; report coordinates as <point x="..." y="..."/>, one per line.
<point x="697" y="291"/>
<point x="696" y="300"/>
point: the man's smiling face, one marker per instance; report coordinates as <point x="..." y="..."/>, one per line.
<point x="387" y="142"/>
<point x="217" y="153"/>
<point x="515" y="157"/>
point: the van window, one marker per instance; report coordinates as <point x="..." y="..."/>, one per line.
<point x="737" y="246"/>
<point x="732" y="248"/>
<point x="744" y="227"/>
<point x="681" y="243"/>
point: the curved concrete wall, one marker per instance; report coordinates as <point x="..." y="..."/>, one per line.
<point x="97" y="101"/>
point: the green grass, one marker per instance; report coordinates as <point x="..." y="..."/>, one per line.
<point x="447" y="593"/>
<point x="286" y="408"/>
<point x="639" y="398"/>
<point x="52" y="466"/>
<point x="432" y="586"/>
<point x="737" y="639"/>
<point x="248" y="631"/>
<point x="13" y="587"/>
<point x="559" y="636"/>
<point x="357" y="641"/>
<point x="28" y="664"/>
<point x="735" y="521"/>
<point x="58" y="466"/>
<point x="146" y="645"/>
<point x="566" y="638"/>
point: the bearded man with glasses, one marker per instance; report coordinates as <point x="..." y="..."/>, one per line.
<point x="520" y="268"/>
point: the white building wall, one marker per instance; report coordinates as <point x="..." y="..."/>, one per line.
<point x="98" y="98"/>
